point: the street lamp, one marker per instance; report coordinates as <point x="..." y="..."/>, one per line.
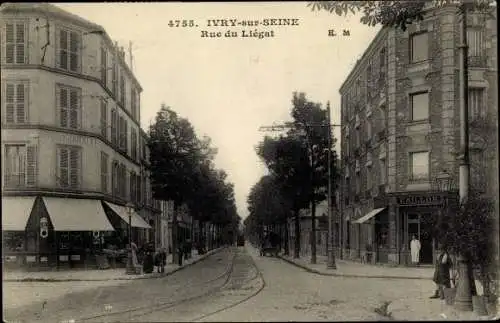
<point x="130" y="262"/>
<point x="331" y="252"/>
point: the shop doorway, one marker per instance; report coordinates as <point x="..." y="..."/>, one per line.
<point x="423" y="231"/>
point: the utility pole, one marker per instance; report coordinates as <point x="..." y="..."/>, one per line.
<point x="466" y="286"/>
<point x="330" y="247"/>
<point x="288" y="125"/>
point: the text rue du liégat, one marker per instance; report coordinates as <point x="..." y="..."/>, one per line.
<point x="236" y="28"/>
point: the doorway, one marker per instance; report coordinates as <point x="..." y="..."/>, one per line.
<point x="423" y="231"/>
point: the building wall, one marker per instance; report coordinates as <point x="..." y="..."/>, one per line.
<point x="394" y="135"/>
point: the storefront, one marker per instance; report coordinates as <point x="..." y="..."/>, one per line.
<point x="41" y="231"/>
<point x="383" y="234"/>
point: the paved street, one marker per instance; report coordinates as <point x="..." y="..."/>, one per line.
<point x="244" y="288"/>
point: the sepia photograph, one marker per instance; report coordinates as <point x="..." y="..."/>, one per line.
<point x="253" y="161"/>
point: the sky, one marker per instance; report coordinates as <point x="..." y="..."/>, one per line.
<point x="229" y="87"/>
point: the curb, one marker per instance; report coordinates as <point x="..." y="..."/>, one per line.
<point x="314" y="271"/>
<point x="131" y="277"/>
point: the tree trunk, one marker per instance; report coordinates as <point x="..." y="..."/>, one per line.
<point x="175" y="243"/>
<point x="296" y="253"/>
<point x="313" y="232"/>
<point x="287" y="249"/>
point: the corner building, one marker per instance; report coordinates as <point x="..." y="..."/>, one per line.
<point x="72" y="150"/>
<point x="400" y="133"/>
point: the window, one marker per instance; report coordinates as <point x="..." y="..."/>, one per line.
<point x="419" y="106"/>
<point x="115" y="188"/>
<point x="69" y="166"/>
<point x="382" y="117"/>
<point x="104" y="172"/>
<point x="114" y="127"/>
<point x="69" y="50"/>
<point x="347" y="144"/>
<point x="20" y="166"/>
<point x="358" y="183"/>
<point x="104" y="119"/>
<point x="123" y="132"/>
<point x="139" y="188"/>
<point x="123" y="181"/>
<point x="69" y="107"/>
<point x="477" y="107"/>
<point x="115" y="77"/>
<point x="382" y="58"/>
<point x="104" y="67"/>
<point x="133" y="186"/>
<point x="15" y="43"/>
<point x="383" y="171"/>
<point x="419" y="47"/>
<point x="16" y="102"/>
<point x="419" y="165"/>
<point x="122" y="90"/>
<point x="358" y="136"/>
<point x="368" y="129"/>
<point x="133" y="144"/>
<point x="133" y="104"/>
<point x="475" y="40"/>
<point x="368" y="178"/>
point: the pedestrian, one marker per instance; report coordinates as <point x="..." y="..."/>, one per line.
<point x="442" y="272"/>
<point x="148" y="262"/>
<point x="415" y="250"/>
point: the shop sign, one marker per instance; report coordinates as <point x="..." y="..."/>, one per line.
<point x="420" y="200"/>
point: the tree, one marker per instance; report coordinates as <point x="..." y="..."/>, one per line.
<point x="287" y="160"/>
<point x="173" y="156"/>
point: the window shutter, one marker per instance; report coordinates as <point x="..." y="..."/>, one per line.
<point x="74" y="171"/>
<point x="74" y="49"/>
<point x="63" y="167"/>
<point x="104" y="172"/>
<point x="63" y="106"/>
<point x="20" y="44"/>
<point x="9" y="103"/>
<point x="20" y="102"/>
<point x="63" y="49"/>
<point x="9" y="43"/>
<point x="104" y="65"/>
<point x="73" y="108"/>
<point x="31" y="167"/>
<point x="104" y="119"/>
<point x="125" y="135"/>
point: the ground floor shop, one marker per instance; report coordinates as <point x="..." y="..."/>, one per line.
<point x="381" y="232"/>
<point x="44" y="231"/>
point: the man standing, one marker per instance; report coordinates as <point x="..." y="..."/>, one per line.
<point x="415" y="250"/>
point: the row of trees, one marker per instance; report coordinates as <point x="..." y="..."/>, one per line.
<point x="183" y="171"/>
<point x="298" y="167"/>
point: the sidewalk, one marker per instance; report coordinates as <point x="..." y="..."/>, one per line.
<point x="98" y="275"/>
<point x="355" y="269"/>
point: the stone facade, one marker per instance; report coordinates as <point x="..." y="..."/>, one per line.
<point x="380" y="133"/>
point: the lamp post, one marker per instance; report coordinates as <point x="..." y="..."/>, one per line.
<point x="331" y="251"/>
<point x="130" y="262"/>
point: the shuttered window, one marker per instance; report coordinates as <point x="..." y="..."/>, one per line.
<point x="16" y="102"/>
<point x="69" y="166"/>
<point x="133" y="144"/>
<point x="133" y="103"/>
<point x="69" y="50"/>
<point x="115" y="188"/>
<point x="123" y="131"/>
<point x="114" y="127"/>
<point x="477" y="108"/>
<point x="133" y="186"/>
<point x="20" y="168"/>
<point x="138" y="188"/>
<point x="104" y="67"/>
<point x="69" y="107"/>
<point x="15" y="43"/>
<point x="104" y="119"/>
<point x="104" y="172"/>
<point x="122" y="90"/>
<point x="115" y="77"/>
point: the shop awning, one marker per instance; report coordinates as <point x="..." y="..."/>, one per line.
<point x="137" y="220"/>
<point x="369" y="215"/>
<point x="77" y="214"/>
<point x="16" y="211"/>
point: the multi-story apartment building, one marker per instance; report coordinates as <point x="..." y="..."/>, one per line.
<point x="400" y="132"/>
<point x="73" y="153"/>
